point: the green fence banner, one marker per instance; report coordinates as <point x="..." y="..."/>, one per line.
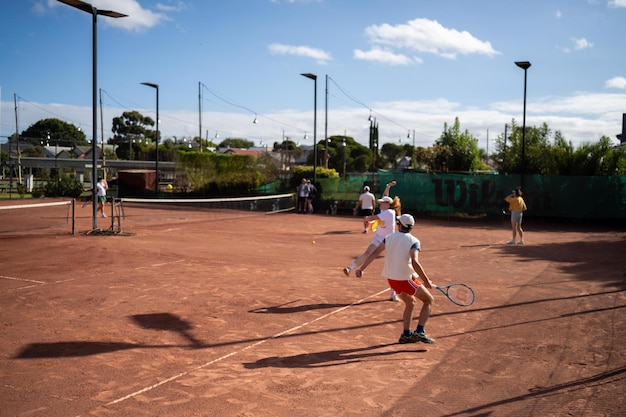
<point x="571" y="197"/>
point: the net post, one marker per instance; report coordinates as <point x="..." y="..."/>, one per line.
<point x="112" y="228"/>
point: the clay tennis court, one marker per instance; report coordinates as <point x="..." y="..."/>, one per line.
<point x="193" y="313"/>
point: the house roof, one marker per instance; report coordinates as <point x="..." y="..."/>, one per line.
<point x="241" y="151"/>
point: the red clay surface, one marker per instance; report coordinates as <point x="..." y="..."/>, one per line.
<point x="198" y="314"/>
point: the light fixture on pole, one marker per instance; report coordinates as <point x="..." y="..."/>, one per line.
<point x="86" y="7"/>
<point x="523" y="65"/>
<point x="314" y="78"/>
<point x="156" y="164"/>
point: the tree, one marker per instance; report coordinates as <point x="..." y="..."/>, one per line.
<point x="599" y="159"/>
<point x="548" y="153"/>
<point x="455" y="150"/>
<point x="358" y="158"/>
<point x="422" y="156"/>
<point x="131" y="126"/>
<point x="47" y="132"/>
<point x="237" y="143"/>
<point x="391" y="154"/>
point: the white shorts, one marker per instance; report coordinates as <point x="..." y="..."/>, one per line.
<point x="516" y="216"/>
<point x="376" y="240"/>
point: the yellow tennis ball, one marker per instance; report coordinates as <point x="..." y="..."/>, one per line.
<point x="169" y="186"/>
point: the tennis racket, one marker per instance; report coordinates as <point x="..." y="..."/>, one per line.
<point x="460" y="294"/>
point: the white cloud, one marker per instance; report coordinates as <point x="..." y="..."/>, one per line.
<point x="579" y="44"/>
<point x="616" y="82"/>
<point x="178" y="7"/>
<point x="385" y="56"/>
<point x="138" y="18"/>
<point x="306" y="51"/>
<point x="582" y="43"/>
<point x="428" y="36"/>
<point x="584" y="104"/>
<point x="582" y="117"/>
<point x="617" y="3"/>
<point x="558" y="14"/>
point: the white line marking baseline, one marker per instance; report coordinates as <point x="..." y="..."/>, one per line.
<point x="22" y="279"/>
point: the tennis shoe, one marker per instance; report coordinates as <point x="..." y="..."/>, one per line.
<point x="347" y="270"/>
<point x="422" y="337"/>
<point x="510" y="242"/>
<point x="358" y="273"/>
<point x="365" y="231"/>
<point x="394" y="298"/>
<point x="521" y="242"/>
<point x="407" y="339"/>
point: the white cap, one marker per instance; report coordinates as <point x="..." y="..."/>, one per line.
<point x="366" y="188"/>
<point x="386" y="199"/>
<point x="406" y="220"/>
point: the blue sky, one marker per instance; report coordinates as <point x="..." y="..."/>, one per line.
<point x="413" y="64"/>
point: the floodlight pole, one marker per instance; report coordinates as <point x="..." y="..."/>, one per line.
<point x="523" y="65"/>
<point x="88" y="8"/>
<point x="326" y="126"/>
<point x="314" y="78"/>
<point x="156" y="166"/>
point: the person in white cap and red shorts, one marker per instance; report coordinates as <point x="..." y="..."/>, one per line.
<point x="402" y="270"/>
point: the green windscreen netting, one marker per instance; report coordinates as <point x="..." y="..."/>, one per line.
<point x="483" y="194"/>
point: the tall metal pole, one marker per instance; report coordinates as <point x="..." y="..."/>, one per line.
<point x="506" y="127"/>
<point x="314" y="78"/>
<point x="326" y="127"/>
<point x="86" y="7"/>
<point x="413" y="161"/>
<point x="102" y="133"/>
<point x="523" y="65"/>
<point x="200" y="113"/>
<point x="17" y="141"/>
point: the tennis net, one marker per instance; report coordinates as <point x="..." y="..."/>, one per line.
<point x="37" y="216"/>
<point x="146" y="209"/>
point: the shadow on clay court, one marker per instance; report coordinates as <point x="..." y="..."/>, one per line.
<point x="167" y="322"/>
<point x="526" y="303"/>
<point x="327" y="358"/>
<point x="171" y="322"/>
<point x="607" y="377"/>
<point x="584" y="260"/>
<point x="281" y="309"/>
<point x="523" y="323"/>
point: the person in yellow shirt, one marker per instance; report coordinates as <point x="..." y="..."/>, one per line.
<point x="517" y="207"/>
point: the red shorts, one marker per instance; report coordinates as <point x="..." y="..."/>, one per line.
<point x="410" y="287"/>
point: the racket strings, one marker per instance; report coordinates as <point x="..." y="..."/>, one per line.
<point x="461" y="294"/>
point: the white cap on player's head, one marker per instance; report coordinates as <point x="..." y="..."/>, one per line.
<point x="386" y="199"/>
<point x="366" y="188"/>
<point x="406" y="220"/>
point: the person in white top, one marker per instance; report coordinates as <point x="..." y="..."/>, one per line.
<point x="402" y="269"/>
<point x="365" y="206"/>
<point x="389" y="209"/>
<point x="102" y="187"/>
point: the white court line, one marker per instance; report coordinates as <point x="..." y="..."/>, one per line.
<point x="22" y="279"/>
<point x="260" y="342"/>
